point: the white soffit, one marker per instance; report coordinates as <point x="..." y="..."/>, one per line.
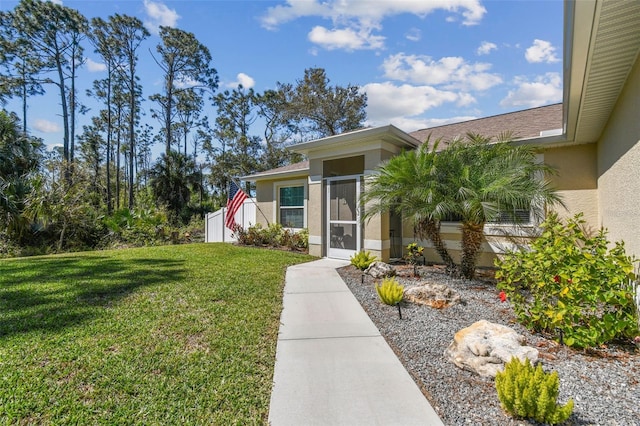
<point x="612" y="51"/>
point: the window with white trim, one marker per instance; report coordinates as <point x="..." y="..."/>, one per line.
<point x="291" y="206"/>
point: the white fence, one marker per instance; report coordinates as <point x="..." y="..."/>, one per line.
<point x="216" y="232"/>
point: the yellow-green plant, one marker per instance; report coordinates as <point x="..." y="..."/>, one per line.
<point x="390" y="291"/>
<point x="528" y="392"/>
<point x="362" y="260"/>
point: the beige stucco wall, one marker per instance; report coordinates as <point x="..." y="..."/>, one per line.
<point x="618" y="152"/>
<point x="576" y="180"/>
<point x="315" y="215"/>
<point x="264" y="201"/>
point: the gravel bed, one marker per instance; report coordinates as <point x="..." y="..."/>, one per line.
<point x="604" y="384"/>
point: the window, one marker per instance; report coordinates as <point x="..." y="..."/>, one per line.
<point x="516" y="216"/>
<point x="291" y="205"/>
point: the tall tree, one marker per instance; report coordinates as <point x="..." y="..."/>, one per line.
<point x="53" y="33"/>
<point x="278" y="130"/>
<point x="185" y="64"/>
<point x="189" y="105"/>
<point x="18" y="77"/>
<point x="91" y="145"/>
<point x="240" y="151"/>
<point x="321" y="110"/>
<point x="129" y="33"/>
<point x="101" y="38"/>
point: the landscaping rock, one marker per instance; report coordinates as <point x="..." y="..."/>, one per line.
<point x="380" y="270"/>
<point x="484" y="348"/>
<point x="435" y="295"/>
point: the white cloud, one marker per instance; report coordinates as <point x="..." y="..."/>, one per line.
<point x="544" y="89"/>
<point x="55" y="146"/>
<point x="94" y="66"/>
<point x="386" y="101"/>
<point x="355" y="20"/>
<point x="185" y="83"/>
<point x="472" y="11"/>
<point x="414" y="34"/>
<point x="450" y="72"/>
<point x="486" y="47"/>
<point x="58" y="2"/>
<point x="347" y="39"/>
<point x="46" y="126"/>
<point x="242" y="78"/>
<point x="159" y="14"/>
<point x="541" y="51"/>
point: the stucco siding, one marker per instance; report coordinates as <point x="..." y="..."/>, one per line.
<point x="576" y="180"/>
<point x="315" y="216"/>
<point x="619" y="167"/>
<point x="264" y="202"/>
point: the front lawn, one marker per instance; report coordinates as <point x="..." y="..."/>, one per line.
<point x="162" y="335"/>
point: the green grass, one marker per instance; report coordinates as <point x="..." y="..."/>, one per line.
<point x="160" y="335"/>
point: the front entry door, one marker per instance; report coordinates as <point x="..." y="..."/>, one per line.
<point x="343" y="217"/>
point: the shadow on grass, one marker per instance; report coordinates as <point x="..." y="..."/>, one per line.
<point x="52" y="294"/>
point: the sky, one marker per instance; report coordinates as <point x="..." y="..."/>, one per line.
<point x="422" y="63"/>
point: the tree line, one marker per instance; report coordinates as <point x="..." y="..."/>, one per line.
<point x="105" y="172"/>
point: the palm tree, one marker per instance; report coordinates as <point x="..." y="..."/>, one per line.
<point x="411" y="184"/>
<point x="19" y="160"/>
<point x="173" y="177"/>
<point x="486" y="181"/>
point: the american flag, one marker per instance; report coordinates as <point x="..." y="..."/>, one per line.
<point x="234" y="201"/>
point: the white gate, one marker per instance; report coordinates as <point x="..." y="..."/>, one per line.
<point x="216" y="232"/>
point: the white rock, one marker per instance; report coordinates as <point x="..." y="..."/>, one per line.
<point x="485" y="347"/>
<point x="380" y="270"/>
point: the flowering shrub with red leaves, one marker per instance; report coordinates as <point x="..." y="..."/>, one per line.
<point x="573" y="284"/>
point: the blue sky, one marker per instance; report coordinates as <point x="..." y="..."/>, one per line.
<point x="421" y="62"/>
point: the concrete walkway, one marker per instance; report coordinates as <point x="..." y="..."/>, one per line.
<point x="332" y="365"/>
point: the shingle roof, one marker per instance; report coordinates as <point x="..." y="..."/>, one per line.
<point x="523" y="124"/>
<point x="288" y="169"/>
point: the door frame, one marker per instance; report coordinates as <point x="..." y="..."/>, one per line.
<point x="337" y="253"/>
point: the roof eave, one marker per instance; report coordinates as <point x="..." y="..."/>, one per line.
<point x="392" y="133"/>
<point x="276" y="175"/>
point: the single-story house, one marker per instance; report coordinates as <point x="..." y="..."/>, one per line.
<point x="592" y="139"/>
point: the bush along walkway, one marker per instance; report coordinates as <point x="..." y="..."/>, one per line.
<point x="602" y="382"/>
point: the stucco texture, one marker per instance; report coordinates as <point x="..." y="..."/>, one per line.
<point x="619" y="167"/>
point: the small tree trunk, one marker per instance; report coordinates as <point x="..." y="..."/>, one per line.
<point x="431" y="230"/>
<point x="472" y="236"/>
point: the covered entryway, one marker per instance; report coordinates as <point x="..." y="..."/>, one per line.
<point x="343" y="217"/>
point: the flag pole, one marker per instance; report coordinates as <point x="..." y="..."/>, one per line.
<point x="237" y="182"/>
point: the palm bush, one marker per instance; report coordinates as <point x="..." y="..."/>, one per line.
<point x="487" y="180"/>
<point x="475" y="180"/>
<point x="411" y="184"/>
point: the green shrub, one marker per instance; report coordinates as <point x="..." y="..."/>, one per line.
<point x="390" y="291"/>
<point x="138" y="227"/>
<point x="528" y="392"/>
<point x="362" y="260"/>
<point x="272" y="236"/>
<point x="573" y="284"/>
